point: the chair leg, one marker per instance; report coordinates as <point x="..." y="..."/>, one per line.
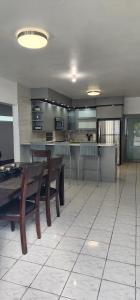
<point x="37" y="223"/>
<point x="48" y="212"/>
<point x="12" y="225"/>
<point x="23" y="237"/>
<point x="57" y="206"/>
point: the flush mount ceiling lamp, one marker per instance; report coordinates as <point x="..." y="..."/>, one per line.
<point x="32" y="37"/>
<point x="94" y="93"/>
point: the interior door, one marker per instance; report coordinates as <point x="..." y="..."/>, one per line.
<point x="133" y="139"/>
<point x="109" y="133"/>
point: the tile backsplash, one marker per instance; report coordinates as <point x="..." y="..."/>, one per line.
<point x="39" y="137"/>
<point x="59" y="136"/>
<point x="81" y="136"/>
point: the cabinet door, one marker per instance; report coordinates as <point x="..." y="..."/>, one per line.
<point x="37" y="115"/>
<point x="86" y="113"/>
<point x="48" y="117"/>
<point x="87" y="124"/>
<point x="72" y="120"/>
<point x="65" y="117"/>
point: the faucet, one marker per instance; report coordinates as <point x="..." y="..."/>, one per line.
<point x="89" y="136"/>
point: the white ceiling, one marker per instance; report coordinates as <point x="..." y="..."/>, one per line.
<point x="101" y="36"/>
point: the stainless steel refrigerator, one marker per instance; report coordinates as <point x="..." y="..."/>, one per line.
<point x="108" y="132"/>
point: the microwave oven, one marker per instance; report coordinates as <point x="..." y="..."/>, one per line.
<point x="59" y="124"/>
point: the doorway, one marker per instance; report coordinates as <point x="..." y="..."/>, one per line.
<point x="6" y="134"/>
<point x="133" y="139"/>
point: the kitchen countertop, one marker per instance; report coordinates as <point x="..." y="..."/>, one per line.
<point x="71" y="144"/>
<point x="78" y="144"/>
<point x="108" y="160"/>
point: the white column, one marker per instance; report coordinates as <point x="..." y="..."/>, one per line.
<point x="16" y="133"/>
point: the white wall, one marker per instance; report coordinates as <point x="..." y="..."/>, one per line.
<point x="24" y="113"/>
<point x="132" y="105"/>
<point x="8" y="91"/>
<point x="16" y="133"/>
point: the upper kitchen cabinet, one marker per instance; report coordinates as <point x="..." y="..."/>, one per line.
<point x="51" y="103"/>
<point x="44" y="114"/>
<point x="86" y="119"/>
<point x="87" y="113"/>
<point x="65" y="117"/>
<point x="82" y="119"/>
<point x="48" y="117"/>
<point x="72" y="120"/>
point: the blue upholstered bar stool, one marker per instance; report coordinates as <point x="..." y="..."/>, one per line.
<point x="90" y="150"/>
<point x="63" y="149"/>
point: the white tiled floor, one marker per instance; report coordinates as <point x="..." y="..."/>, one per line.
<point x="92" y="252"/>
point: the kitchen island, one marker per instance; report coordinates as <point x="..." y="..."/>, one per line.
<point x="108" y="159"/>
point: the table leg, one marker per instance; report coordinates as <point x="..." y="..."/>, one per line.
<point x="61" y="186"/>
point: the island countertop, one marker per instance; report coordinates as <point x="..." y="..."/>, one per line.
<point x="73" y="144"/>
<point x="108" y="161"/>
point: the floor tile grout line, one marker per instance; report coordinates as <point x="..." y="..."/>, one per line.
<point x="75" y="219"/>
<point x="44" y="265"/>
<point x="79" y="212"/>
<point x="83" y="244"/>
<point x="41" y="267"/>
<point x="39" y="270"/>
<point x="63" y="235"/>
<point x="96" y="187"/>
<point x="110" y="239"/>
<point x="27" y="287"/>
<point x="19" y="259"/>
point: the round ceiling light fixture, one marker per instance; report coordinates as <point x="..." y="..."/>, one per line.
<point x="32" y="37"/>
<point x="94" y="93"/>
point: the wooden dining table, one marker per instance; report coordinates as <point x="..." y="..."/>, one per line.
<point x="10" y="188"/>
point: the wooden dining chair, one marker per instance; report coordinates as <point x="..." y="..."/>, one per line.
<point x="54" y="169"/>
<point x="17" y="209"/>
<point x="40" y="155"/>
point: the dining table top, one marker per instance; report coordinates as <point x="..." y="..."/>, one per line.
<point x="10" y="187"/>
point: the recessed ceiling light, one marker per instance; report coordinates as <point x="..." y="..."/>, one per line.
<point x="32" y="37"/>
<point x="94" y="93"/>
<point x="74" y="78"/>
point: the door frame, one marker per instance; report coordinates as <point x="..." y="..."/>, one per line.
<point x="120" y="139"/>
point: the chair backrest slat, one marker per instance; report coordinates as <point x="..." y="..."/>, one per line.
<point x="32" y="175"/>
<point x="40" y="155"/>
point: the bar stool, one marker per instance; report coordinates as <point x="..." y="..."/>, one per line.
<point x="90" y="150"/>
<point x="63" y="149"/>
